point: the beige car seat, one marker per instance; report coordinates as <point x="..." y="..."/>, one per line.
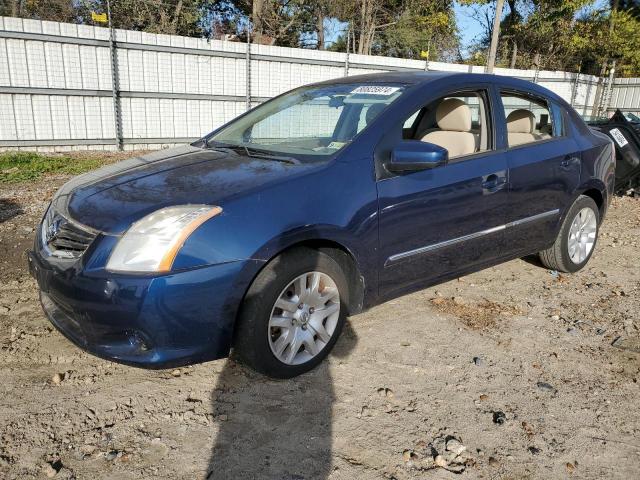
<point x="521" y="126"/>
<point x="453" y="118"/>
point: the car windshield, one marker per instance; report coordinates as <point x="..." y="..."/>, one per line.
<point x="309" y="122"/>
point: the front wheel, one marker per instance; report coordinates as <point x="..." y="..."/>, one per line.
<point x="292" y="314"/>
<point x="577" y="238"/>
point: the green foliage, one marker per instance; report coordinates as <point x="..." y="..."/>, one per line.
<point x="422" y="26"/>
<point x="21" y="166"/>
<point x="611" y="36"/>
<point x="567" y="35"/>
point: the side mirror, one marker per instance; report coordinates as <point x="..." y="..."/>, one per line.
<point x="414" y="155"/>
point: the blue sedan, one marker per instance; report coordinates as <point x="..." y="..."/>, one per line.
<point x="263" y="236"/>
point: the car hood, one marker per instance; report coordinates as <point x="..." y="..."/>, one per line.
<point x="111" y="198"/>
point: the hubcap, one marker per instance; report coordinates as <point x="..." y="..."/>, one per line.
<point x="582" y="235"/>
<point x="304" y="318"/>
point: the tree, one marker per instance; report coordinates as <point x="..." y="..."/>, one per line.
<point x="402" y="28"/>
<point x="273" y="22"/>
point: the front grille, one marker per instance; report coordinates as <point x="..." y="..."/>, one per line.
<point x="62" y="238"/>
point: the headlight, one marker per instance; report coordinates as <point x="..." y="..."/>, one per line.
<point x="151" y="244"/>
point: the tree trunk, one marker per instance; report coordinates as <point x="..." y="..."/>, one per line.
<point x="320" y="29"/>
<point x="176" y="17"/>
<point x="256" y="18"/>
<point x="362" y="34"/>
<point x="514" y="55"/>
<point x="536" y="60"/>
<point x="495" y="34"/>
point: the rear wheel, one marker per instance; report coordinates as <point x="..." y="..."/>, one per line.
<point x="292" y="314"/>
<point x="577" y="238"/>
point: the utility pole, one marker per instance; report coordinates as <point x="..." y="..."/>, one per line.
<point x="495" y="33"/>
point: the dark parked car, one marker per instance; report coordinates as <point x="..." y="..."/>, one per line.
<point x="325" y="201"/>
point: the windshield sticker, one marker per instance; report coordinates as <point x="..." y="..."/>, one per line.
<point x="375" y="90"/>
<point x="618" y="137"/>
<point x="336" y="145"/>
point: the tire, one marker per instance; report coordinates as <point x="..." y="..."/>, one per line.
<point x="261" y="323"/>
<point x="562" y="255"/>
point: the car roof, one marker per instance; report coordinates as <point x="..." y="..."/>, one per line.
<point x="423" y="78"/>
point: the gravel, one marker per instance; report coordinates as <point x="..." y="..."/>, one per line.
<point x="379" y="408"/>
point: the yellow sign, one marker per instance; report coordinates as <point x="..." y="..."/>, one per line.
<point x="99" y="17"/>
<point x="424" y="54"/>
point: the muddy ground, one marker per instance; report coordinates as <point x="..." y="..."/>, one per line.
<point x="536" y="374"/>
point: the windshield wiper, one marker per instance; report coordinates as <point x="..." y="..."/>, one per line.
<point x="251" y="152"/>
<point x="255" y="153"/>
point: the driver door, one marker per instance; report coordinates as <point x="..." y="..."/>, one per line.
<point x="448" y="220"/>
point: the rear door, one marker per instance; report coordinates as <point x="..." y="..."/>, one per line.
<point x="544" y="171"/>
<point x="436" y="222"/>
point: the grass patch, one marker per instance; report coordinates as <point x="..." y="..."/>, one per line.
<point x="22" y="166"/>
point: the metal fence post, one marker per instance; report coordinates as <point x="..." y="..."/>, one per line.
<point x="574" y="89"/>
<point x="248" y="71"/>
<point x="346" y="58"/>
<point x="606" y="97"/>
<point x="115" y="83"/>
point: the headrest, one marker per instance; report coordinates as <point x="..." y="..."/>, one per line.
<point x="373" y="111"/>
<point x="521" y="121"/>
<point x="454" y="115"/>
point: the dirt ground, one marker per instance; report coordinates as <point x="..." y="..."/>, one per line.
<point x="514" y="372"/>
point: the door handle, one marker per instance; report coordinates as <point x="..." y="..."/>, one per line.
<point x="494" y="182"/>
<point x="568" y="161"/>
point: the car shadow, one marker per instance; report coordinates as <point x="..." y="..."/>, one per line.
<point x="533" y="260"/>
<point x="9" y="209"/>
<point x="280" y="429"/>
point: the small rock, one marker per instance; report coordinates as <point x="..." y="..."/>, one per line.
<point x="409" y="456"/>
<point x="499" y="417"/>
<point x="4" y="310"/>
<point x="440" y="461"/>
<point x="478" y="361"/>
<point x="570" y="467"/>
<point x="57" y="379"/>
<point x="546" y="387"/>
<point x="405" y="344"/>
<point x="484" y="397"/>
<point x="572" y="331"/>
<point x="112" y="455"/>
<point x="455" y="446"/>
<point x="493" y="462"/>
<point x="555" y="317"/>
<point x="534" y="450"/>
<point x="176" y="373"/>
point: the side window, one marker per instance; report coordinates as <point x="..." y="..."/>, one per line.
<point x="529" y="119"/>
<point x="457" y="122"/>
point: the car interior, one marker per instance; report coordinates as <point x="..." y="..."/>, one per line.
<point x="458" y="123"/>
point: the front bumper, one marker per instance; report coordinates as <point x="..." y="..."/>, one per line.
<point x="145" y="321"/>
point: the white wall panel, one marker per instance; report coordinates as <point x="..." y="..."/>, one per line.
<point x="42" y="117"/>
<point x="60" y="117"/>
<point x="7" y="118"/>
<point x="34" y="63"/>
